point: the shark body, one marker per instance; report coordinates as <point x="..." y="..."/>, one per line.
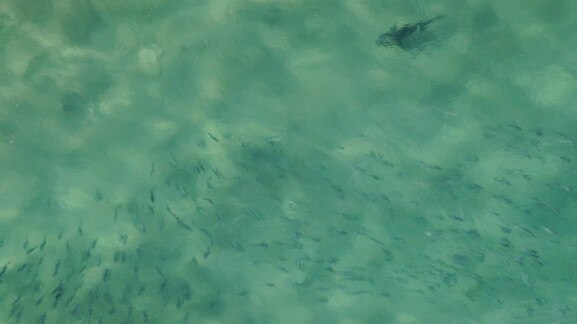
<point x="396" y="36"/>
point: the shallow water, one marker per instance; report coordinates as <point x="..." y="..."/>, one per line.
<point x="265" y="162"/>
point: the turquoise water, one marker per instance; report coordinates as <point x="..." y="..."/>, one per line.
<point x="266" y="162"/>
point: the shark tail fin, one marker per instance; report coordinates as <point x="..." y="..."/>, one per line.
<point x="439" y="17"/>
<point x="423" y="24"/>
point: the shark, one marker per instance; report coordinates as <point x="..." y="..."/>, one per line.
<point x="396" y="35"/>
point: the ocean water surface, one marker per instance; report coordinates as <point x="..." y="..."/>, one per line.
<point x="258" y="161"/>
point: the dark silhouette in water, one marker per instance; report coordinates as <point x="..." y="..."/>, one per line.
<point x="397" y="36"/>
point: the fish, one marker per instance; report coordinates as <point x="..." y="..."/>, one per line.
<point x="397" y="36"/>
<point x="56" y="268"/>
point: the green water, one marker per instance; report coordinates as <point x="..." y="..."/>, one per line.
<point x="215" y="161"/>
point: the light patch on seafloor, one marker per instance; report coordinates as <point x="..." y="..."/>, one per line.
<point x="18" y="55"/>
<point x="148" y="60"/>
<point x="304" y="59"/>
<point x="550" y="87"/>
<point x="15" y="191"/>
<point x="221" y="11"/>
<point x="9" y="213"/>
<point x="72" y="199"/>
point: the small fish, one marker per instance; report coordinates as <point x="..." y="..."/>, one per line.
<point x="56" y="268"/>
<point x="23" y="267"/>
<point x="178" y="220"/>
<point x="57" y="293"/>
<point x="207" y="199"/>
<point x="93" y="245"/>
<point x="3" y="271"/>
<point x="213" y="137"/>
<point x="42" y="319"/>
